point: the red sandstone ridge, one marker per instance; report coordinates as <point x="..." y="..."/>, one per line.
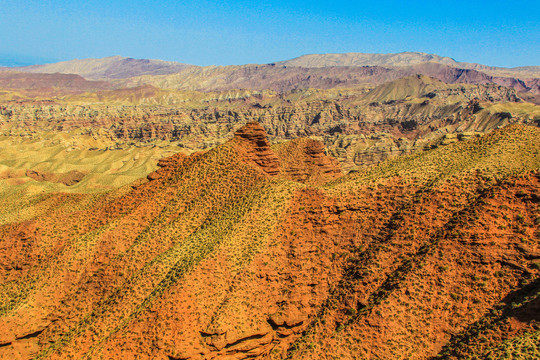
<point x="428" y="256"/>
<point x="304" y="160"/>
<point x="252" y="139"/>
<point x="166" y="166"/>
<point x="300" y="160"/>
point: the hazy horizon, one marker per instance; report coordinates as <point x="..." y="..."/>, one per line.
<point x="24" y="60"/>
<point x="241" y="32"/>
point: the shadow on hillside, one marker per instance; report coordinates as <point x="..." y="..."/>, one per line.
<point x="522" y="304"/>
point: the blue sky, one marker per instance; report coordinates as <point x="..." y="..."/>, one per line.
<point x="498" y="33"/>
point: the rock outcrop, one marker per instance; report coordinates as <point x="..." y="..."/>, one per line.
<point x="167" y="166"/>
<point x="304" y="160"/>
<point x="252" y="139"/>
<point x="357" y="128"/>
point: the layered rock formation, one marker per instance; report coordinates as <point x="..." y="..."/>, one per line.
<point x="304" y="160"/>
<point x="252" y="139"/>
<point x="239" y="246"/>
<point x="357" y="127"/>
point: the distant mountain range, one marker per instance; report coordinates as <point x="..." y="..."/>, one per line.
<point x="118" y="67"/>
<point x="402" y="59"/>
<point x="322" y="71"/>
<point x="113" y="67"/>
<point x="285" y="78"/>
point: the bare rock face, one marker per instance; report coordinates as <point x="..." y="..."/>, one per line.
<point x="252" y="139"/>
<point x="304" y="160"/>
<point x="326" y="164"/>
<point x="166" y="166"/>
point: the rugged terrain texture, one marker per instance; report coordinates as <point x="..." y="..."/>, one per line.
<point x="74" y="161"/>
<point x="352" y="211"/>
<point x="252" y="251"/>
<point x="256" y="148"/>
<point x="324" y="71"/>
<point x="304" y="160"/>
<point x="358" y="126"/>
<point x="286" y="78"/>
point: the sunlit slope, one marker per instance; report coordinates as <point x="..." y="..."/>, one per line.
<point x="503" y="153"/>
<point x="104" y="163"/>
<point x="401" y="60"/>
<point x="45" y="162"/>
<point x="142" y="242"/>
<point x="449" y="266"/>
<point x="245" y="251"/>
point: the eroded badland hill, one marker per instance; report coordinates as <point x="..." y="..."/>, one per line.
<point x="235" y="253"/>
<point x="397" y="219"/>
<point x="358" y="126"/>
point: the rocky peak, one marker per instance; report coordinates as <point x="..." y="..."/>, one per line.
<point x="253" y="140"/>
<point x="304" y="160"/>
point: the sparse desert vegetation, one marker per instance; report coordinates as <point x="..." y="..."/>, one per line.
<point x="378" y="221"/>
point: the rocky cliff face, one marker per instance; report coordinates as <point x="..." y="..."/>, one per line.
<point x="304" y="160"/>
<point x="252" y="139"/>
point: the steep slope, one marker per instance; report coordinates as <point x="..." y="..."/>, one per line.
<point x="113" y="67"/>
<point x="419" y="86"/>
<point x="460" y="251"/>
<point x="304" y="160"/>
<point x="217" y="255"/>
<point x="98" y="257"/>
